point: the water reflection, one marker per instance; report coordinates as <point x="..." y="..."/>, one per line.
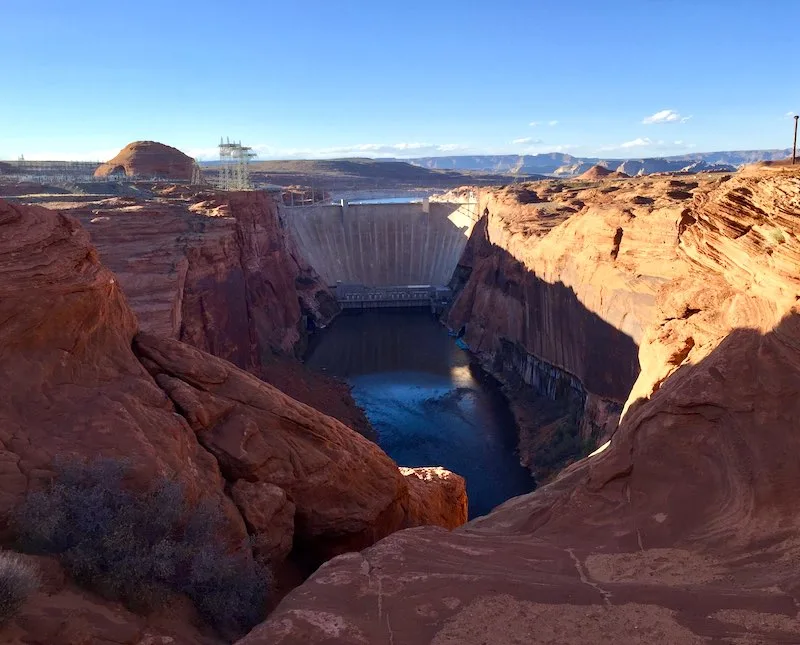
<point x="429" y="404"/>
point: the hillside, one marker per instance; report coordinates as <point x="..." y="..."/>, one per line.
<point x="332" y="174"/>
<point x="556" y="163"/>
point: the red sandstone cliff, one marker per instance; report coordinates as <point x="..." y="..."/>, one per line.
<point x="81" y="380"/>
<point x="685" y="528"/>
<point x="559" y="284"/>
<point x="219" y="272"/>
<point x="149" y="160"/>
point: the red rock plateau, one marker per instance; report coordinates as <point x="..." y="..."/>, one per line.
<point x="81" y="379"/>
<point x="676" y="299"/>
<point x="149" y="160"/>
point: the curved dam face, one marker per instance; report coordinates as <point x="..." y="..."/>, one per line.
<point x="383" y="245"/>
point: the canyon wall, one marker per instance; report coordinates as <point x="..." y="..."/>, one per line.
<point x="218" y="271"/>
<point x="558" y="284"/>
<point x="684" y="528"/>
<point x="383" y="244"/>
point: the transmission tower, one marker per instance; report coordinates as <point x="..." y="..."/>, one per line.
<point x="234" y="160"/>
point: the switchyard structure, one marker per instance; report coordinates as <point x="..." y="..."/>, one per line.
<point x="234" y="168"/>
<point x="53" y="172"/>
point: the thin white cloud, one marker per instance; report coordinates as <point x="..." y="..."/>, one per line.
<point x="451" y="147"/>
<point x="526" y="140"/>
<point x="790" y="113"/>
<point x="665" y="116"/>
<point x="639" y="142"/>
<point x="646" y="142"/>
<point x="552" y="123"/>
<point x="560" y="148"/>
<point x="534" y="124"/>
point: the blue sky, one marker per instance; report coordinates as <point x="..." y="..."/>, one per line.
<point x="309" y="78"/>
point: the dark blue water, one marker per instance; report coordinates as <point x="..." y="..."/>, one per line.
<point x="430" y="404"/>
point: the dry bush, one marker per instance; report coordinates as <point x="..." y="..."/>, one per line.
<point x="140" y="547"/>
<point x="18" y="580"/>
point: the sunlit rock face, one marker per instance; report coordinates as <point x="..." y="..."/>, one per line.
<point x="436" y="497"/>
<point x="148" y="160"/>
<point x="685" y="528"/>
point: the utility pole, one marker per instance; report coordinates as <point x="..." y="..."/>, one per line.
<point x="794" y="145"/>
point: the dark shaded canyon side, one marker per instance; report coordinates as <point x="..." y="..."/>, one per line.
<point x="219" y="272"/>
<point x="554" y="290"/>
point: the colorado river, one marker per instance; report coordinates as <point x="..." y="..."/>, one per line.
<point x="429" y="404"/>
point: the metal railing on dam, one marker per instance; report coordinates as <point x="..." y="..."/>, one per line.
<point x="357" y="296"/>
<point x="382" y="245"/>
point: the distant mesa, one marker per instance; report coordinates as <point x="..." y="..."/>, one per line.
<point x="149" y="159"/>
<point x="601" y="172"/>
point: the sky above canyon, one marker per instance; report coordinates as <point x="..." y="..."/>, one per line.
<point x="335" y="78"/>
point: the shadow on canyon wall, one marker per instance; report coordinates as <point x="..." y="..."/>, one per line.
<point x="710" y="450"/>
<point x="541" y="333"/>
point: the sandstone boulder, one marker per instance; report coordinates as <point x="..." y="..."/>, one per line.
<point x="346" y="491"/>
<point x="81" y="382"/>
<point x="269" y="515"/>
<point x="437" y="497"/>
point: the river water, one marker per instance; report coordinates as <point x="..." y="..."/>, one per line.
<point x="430" y="404"/>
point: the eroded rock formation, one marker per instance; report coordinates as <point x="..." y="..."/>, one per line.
<point x="685" y="528"/>
<point x="217" y="271"/>
<point x="72" y="385"/>
<point x="81" y="380"/>
<point x="149" y="160"/>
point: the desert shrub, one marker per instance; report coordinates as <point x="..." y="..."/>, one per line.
<point x="18" y="580"/>
<point x="138" y="547"/>
<point x="776" y="235"/>
<point x="565" y="445"/>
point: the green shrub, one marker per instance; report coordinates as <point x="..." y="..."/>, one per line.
<point x="18" y="580"/>
<point x="139" y="547"/>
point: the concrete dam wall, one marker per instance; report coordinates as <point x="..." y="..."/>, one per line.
<point x="380" y="245"/>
